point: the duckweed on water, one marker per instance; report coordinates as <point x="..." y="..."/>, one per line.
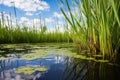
<point x="102" y="61"/>
<point x="35" y="55"/>
<point x="68" y="53"/>
<point x="43" y="53"/>
<point x="19" y="49"/>
<point x="30" y="70"/>
<point x="2" y="51"/>
<point x="25" y="70"/>
<point x="5" y="58"/>
<point x="41" y="69"/>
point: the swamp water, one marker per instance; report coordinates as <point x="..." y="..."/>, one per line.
<point x="51" y="62"/>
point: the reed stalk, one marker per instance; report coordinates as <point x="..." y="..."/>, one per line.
<point x="94" y="25"/>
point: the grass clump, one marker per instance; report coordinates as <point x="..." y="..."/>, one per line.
<point x="21" y="33"/>
<point x="95" y="25"/>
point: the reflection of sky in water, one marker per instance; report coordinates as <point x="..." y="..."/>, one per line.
<point x="55" y="66"/>
<point x="58" y="67"/>
<point x="10" y="75"/>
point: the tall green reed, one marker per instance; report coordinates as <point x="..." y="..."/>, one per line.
<point x="95" y="25"/>
<point x="10" y="33"/>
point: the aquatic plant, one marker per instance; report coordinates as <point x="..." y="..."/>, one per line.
<point x="95" y="25"/>
<point x="40" y="54"/>
<point x="30" y="70"/>
<point x="18" y="33"/>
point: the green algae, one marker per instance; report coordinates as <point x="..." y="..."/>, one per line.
<point x="43" y="51"/>
<point x="102" y="61"/>
<point x="5" y="58"/>
<point x="2" y="51"/>
<point x="30" y="70"/>
<point x="25" y="70"/>
<point x="35" y="55"/>
<point x="41" y="69"/>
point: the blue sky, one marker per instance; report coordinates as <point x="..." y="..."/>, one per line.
<point x="28" y="11"/>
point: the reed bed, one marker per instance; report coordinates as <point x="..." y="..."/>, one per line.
<point x="95" y="26"/>
<point x="10" y="33"/>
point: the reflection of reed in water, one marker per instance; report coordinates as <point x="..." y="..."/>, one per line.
<point x="4" y="75"/>
<point x="75" y="69"/>
<point x="57" y="59"/>
<point x="10" y="75"/>
<point x="88" y="70"/>
<point x="6" y="63"/>
<point x="102" y="71"/>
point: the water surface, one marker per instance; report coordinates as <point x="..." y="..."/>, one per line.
<point x="51" y="62"/>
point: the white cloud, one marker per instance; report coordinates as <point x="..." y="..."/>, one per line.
<point x="36" y="21"/>
<point x="60" y="22"/>
<point x="30" y="22"/>
<point x="7" y="19"/>
<point x="38" y="13"/>
<point x="24" y="19"/>
<point x="52" y="29"/>
<point x="27" y="5"/>
<point x="49" y="20"/>
<point x="58" y="15"/>
<point x="28" y="14"/>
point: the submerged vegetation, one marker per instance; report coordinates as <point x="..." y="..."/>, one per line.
<point x="95" y="26"/>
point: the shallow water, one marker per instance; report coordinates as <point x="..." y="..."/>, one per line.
<point x="51" y="62"/>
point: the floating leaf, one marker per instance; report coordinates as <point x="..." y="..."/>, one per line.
<point x="30" y="70"/>
<point x="41" y="69"/>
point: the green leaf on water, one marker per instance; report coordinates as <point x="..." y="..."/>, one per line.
<point x="30" y="70"/>
<point x="37" y="55"/>
<point x="102" y="61"/>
